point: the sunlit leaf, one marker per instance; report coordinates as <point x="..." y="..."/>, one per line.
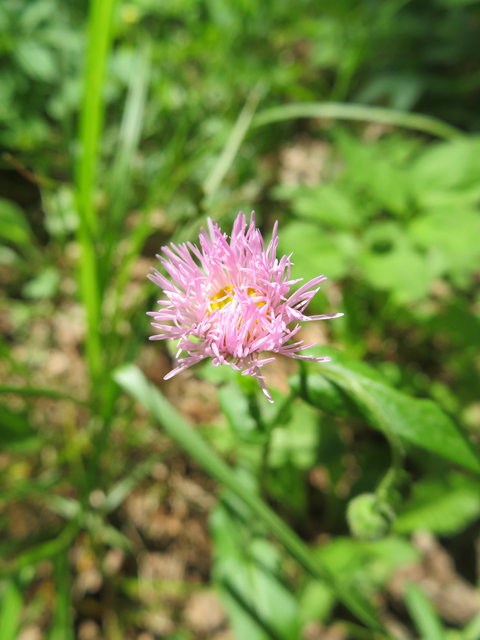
<point x="415" y="421"/>
<point x="423" y="614"/>
<point x="13" y="223"/>
<point x="443" y="506"/>
<point x="10" y="610"/>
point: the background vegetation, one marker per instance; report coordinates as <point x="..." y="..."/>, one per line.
<point x="350" y="508"/>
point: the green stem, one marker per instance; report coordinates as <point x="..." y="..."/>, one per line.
<point x="362" y="113"/>
<point x="393" y="475"/>
<point x="132" y="380"/>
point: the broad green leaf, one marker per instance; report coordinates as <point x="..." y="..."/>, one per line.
<point x="415" y="421"/>
<point x="36" y="60"/>
<point x="423" y="614"/>
<point x="454" y="232"/>
<point x="234" y="404"/>
<point x="446" y="169"/>
<point x="10" y="610"/>
<point x="368" y="563"/>
<point x="443" y="506"/>
<point x="43" y="286"/>
<point x="297" y="441"/>
<point x="35" y="13"/>
<point x="316" y="602"/>
<point x="13" y="223"/>
<point x="371" y="169"/>
<point x="328" y="204"/>
<point x="391" y="263"/>
<point x="316" y="252"/>
<point x="15" y="428"/>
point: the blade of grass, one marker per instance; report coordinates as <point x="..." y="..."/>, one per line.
<point x="423" y="614"/>
<point x="230" y="150"/>
<point x="132" y="380"/>
<point x="362" y="113"/>
<point x="129" y="135"/>
<point x="472" y="630"/>
<point x="40" y="392"/>
<point x="91" y="122"/>
<point x="62" y="628"/>
<point x="10" y="610"/>
<point x="128" y="140"/>
<point x="120" y="491"/>
<point x="41" y="551"/>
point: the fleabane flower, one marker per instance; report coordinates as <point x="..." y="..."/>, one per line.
<point x="229" y="300"/>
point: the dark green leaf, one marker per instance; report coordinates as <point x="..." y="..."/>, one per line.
<point x="415" y="421"/>
<point x="14" y="427"/>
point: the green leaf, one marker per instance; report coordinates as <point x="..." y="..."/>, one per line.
<point x="44" y="286"/>
<point x="62" y="628"/>
<point x="10" y="610"/>
<point x="423" y="614"/>
<point x="328" y="204"/>
<point x="259" y="604"/>
<point x="415" y="421"/>
<point x="297" y="441"/>
<point x="235" y="406"/>
<point x="372" y="170"/>
<point x="443" y="506"/>
<point x="391" y="263"/>
<point x="15" y="428"/>
<point x="454" y="232"/>
<point x="367" y="563"/>
<point x="13" y="223"/>
<point x="36" y="60"/>
<point x="447" y="169"/>
<point x="316" y="602"/>
<point x="316" y="252"/>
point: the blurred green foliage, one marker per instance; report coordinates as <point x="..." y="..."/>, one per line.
<point x="104" y="162"/>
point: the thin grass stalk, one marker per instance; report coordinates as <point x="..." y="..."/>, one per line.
<point x="360" y="113"/>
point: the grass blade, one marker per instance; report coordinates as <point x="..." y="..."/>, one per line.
<point x="41" y="551"/>
<point x="132" y="380"/>
<point x="362" y="113"/>
<point x="230" y="150"/>
<point x="91" y="123"/>
<point x="129" y="136"/>
<point x="10" y="610"/>
<point x="40" y="392"/>
<point x="63" y="624"/>
<point x="423" y="614"/>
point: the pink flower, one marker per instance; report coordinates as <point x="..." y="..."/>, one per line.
<point x="228" y="301"/>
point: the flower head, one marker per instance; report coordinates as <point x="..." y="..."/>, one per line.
<point x="228" y="301"/>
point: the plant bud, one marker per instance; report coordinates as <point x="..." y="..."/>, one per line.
<point x="369" y="518"/>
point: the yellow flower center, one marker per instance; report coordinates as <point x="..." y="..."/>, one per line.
<point x="226" y="295"/>
<point x="220" y="299"/>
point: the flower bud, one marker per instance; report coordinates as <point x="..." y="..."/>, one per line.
<point x="369" y="518"/>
